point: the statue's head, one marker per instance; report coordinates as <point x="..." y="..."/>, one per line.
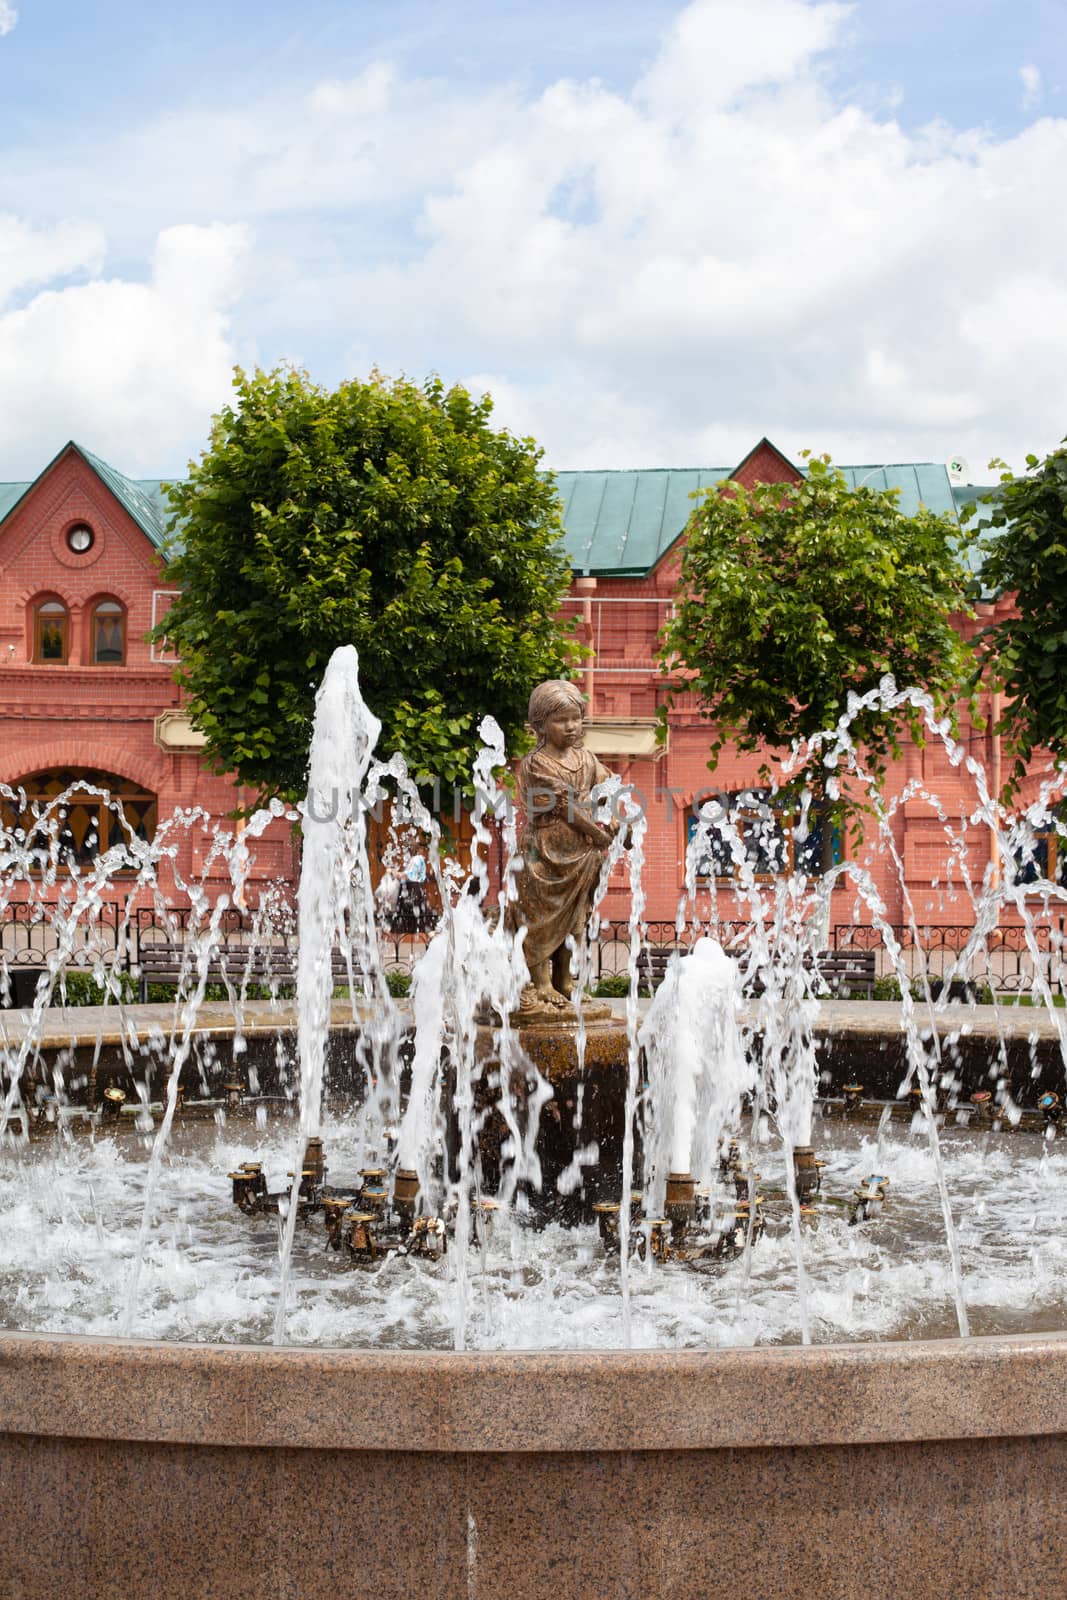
<point x="548" y="698"/>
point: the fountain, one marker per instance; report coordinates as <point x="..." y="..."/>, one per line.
<point x="556" y="1293"/>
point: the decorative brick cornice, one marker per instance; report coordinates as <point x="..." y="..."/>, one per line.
<point x="33" y="674"/>
<point x="40" y="755"/>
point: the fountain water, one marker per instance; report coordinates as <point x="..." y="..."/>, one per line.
<point x="457" y="1113"/>
<point x="934" y="1210"/>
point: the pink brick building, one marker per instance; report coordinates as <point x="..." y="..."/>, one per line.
<point x="624" y="533"/>
<point x="83" y="697"/>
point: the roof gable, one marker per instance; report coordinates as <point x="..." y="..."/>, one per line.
<point x="142" y="500"/>
<point x="765" y="463"/>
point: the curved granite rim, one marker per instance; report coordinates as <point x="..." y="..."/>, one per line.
<point x="260" y="1396"/>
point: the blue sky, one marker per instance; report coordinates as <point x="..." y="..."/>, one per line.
<point x="653" y="231"/>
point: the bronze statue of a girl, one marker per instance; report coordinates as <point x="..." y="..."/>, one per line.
<point x="563" y="846"/>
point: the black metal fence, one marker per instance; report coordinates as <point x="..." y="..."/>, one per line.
<point x="1007" y="959"/>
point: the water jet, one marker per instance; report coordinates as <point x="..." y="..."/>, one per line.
<point x="649" y="1238"/>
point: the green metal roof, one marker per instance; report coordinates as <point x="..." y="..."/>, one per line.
<point x="976" y="546"/>
<point x="619" y="524"/>
<point x="622" y="522"/>
<point x="921" y="483"/>
<point x="142" y="498"/>
<point x="10" y="495"/>
<point x="616" y="524"/>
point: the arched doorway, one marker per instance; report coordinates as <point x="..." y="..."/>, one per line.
<point x="63" y="818"/>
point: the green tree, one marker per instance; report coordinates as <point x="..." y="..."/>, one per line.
<point x="1024" y="529"/>
<point x="383" y="514"/>
<point x="795" y="596"/>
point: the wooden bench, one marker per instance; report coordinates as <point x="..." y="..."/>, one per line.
<point x="652" y="967"/>
<point x="847" y="972"/>
<point x="844" y="972"/>
<point x="161" y="961"/>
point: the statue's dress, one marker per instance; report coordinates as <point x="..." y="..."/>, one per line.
<point x="561" y="864"/>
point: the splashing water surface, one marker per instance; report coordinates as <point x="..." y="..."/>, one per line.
<point x="131" y="1230"/>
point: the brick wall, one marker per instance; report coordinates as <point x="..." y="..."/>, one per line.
<point x="75" y="714"/>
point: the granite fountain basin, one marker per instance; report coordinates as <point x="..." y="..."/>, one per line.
<point x="140" y="1467"/>
<point x="925" y="1469"/>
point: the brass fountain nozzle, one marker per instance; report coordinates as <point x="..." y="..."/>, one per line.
<point x="654" y="1236"/>
<point x="114" y="1100"/>
<point x="853" y="1096"/>
<point x="374" y="1196"/>
<point x="607" y="1220"/>
<point x="234" y="1092"/>
<point x="315" y="1157"/>
<point x="333" y="1211"/>
<point x="868" y="1199"/>
<point x="1050" y="1108"/>
<point x="483" y="1215"/>
<point x="429" y="1237"/>
<point x="681" y="1202"/>
<point x="807" y="1172"/>
<point x="681" y="1190"/>
<point x="360" y="1239"/>
<point x="984" y="1104"/>
<point x="742" y="1212"/>
<point x="406" y="1193"/>
<point x="249" y="1187"/>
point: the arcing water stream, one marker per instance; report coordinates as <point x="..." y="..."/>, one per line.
<point x="127" y="1226"/>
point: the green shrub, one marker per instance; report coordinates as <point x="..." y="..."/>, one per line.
<point x="82" y="989"/>
<point x="399" y="984"/>
<point x="887" y="988"/>
<point x="77" y="988"/>
<point x="615" y="986"/>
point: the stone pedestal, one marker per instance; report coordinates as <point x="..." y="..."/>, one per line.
<point x="588" y="1107"/>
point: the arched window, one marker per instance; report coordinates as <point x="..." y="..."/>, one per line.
<point x="64" y="823"/>
<point x="108" y="634"/>
<point x="1041" y="856"/>
<point x="51" y="632"/>
<point x="766" y="829"/>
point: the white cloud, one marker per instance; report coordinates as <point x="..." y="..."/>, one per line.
<point x="1031" y="82"/>
<point x="31" y="255"/>
<point x="716" y="50"/>
<point x="132" y="370"/>
<point x="656" y="276"/>
<point x="367" y="94"/>
<point x="8" y="17"/>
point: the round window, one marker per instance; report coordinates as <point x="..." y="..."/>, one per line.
<point x="80" y="538"/>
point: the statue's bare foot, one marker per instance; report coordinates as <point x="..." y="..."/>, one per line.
<point x="550" y="996"/>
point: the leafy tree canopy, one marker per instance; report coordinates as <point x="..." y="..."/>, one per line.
<point x="383" y="514"/>
<point x="794" y="596"/>
<point x="1025" y="654"/>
